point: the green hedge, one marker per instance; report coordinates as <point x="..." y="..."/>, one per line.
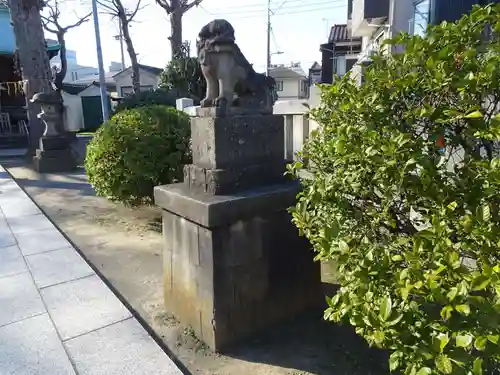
<point x="147" y="98"/>
<point x="414" y="231"/>
<point x="137" y="150"/>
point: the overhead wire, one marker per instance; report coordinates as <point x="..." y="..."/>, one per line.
<point x="260" y="15"/>
<point x="309" y="6"/>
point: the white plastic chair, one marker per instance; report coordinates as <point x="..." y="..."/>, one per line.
<point x="5" y="125"/>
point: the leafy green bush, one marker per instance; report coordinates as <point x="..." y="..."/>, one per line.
<point x="414" y="229"/>
<point x="184" y="75"/>
<point x="137" y="150"/>
<point x="146" y="98"/>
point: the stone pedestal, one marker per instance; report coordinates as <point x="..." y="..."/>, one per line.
<point x="234" y="264"/>
<point x="54" y="155"/>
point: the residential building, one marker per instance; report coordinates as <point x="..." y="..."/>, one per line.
<point x="291" y="81"/>
<point x="149" y="77"/>
<point x="339" y="54"/>
<point x="315" y="74"/>
<point x="376" y="20"/>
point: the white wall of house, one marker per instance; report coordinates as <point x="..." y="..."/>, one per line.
<point x="292" y="88"/>
<point x="123" y="80"/>
<point x="73" y="113"/>
<point x="73" y="109"/>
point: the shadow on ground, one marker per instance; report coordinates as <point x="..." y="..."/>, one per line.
<point x="120" y="244"/>
<point x="313" y="346"/>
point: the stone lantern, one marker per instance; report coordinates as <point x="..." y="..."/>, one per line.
<point x="54" y="152"/>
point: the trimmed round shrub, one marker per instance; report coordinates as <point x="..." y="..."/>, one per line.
<point x="402" y="193"/>
<point x="137" y="150"/>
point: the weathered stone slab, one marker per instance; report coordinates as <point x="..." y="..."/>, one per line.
<point x="54" y="155"/>
<point x="53" y="143"/>
<point x="219" y="210"/>
<point x="53" y="161"/>
<point x="231" y="180"/>
<point x="230" y="111"/>
<point x="234" y="265"/>
<point x="220" y="143"/>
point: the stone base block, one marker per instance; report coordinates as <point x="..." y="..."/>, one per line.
<point x="232" y="111"/>
<point x="220" y="143"/>
<point x="53" y="143"/>
<point x="235" y="265"/>
<point x="231" y="180"/>
<point x="53" y="161"/>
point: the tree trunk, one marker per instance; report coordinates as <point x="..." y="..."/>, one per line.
<point x="61" y="74"/>
<point x="136" y="82"/>
<point x="33" y="58"/>
<point x="176" y="30"/>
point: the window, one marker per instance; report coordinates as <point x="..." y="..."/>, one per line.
<point x="421" y="11"/>
<point x="339" y="65"/>
<point x="305" y="87"/>
<point x="279" y="85"/>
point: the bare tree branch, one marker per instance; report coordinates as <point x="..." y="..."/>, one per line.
<point x="82" y="20"/>
<point x="116" y="9"/>
<point x="187" y="6"/>
<point x="165" y="5"/>
<point x="138" y="7"/>
<point x="51" y="24"/>
<point x="175" y="9"/>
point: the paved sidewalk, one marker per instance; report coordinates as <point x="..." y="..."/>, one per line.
<point x="56" y="315"/>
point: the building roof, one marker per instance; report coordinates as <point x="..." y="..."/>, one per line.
<point x="147" y="68"/>
<point x="73" y="89"/>
<point x="88" y="80"/>
<point x="315" y="66"/>
<point x="151" y="69"/>
<point x="340" y="33"/>
<point x="286" y="72"/>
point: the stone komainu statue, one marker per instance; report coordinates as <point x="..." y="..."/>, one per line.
<point x="231" y="80"/>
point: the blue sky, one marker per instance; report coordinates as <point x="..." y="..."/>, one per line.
<point x="299" y="27"/>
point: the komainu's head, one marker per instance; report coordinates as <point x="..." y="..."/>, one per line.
<point x="218" y="31"/>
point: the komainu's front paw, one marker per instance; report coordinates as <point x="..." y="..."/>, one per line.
<point x="207" y="103"/>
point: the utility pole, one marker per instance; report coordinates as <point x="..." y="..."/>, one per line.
<point x="120" y="38"/>
<point x="268" y="63"/>
<point x="102" y="79"/>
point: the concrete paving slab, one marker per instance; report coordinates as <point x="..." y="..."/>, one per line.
<point x="123" y="348"/>
<point x="23" y="224"/>
<point x="58" y="266"/>
<point x="32" y="346"/>
<point x="8" y="185"/>
<point x="42" y="240"/>
<point x="82" y="305"/>
<point x="15" y="206"/>
<point x="11" y="261"/>
<point x="44" y="267"/>
<point x="19" y="299"/>
<point x="6" y="237"/>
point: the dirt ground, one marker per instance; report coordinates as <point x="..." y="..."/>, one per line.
<point x="125" y="246"/>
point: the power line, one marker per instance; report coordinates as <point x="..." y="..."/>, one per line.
<point x="293" y="7"/>
<point x="263" y="5"/>
<point x="278" y="14"/>
<point x="281" y="6"/>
